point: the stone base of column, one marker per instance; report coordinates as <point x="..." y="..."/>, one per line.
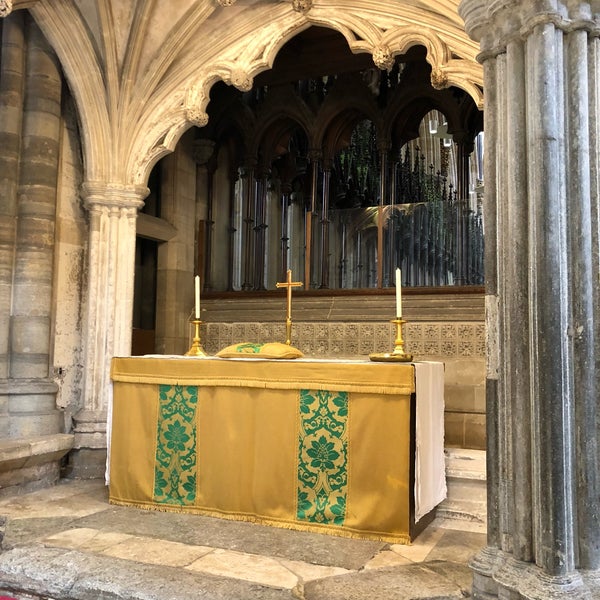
<point x="32" y="463"/>
<point x="31" y="408"/>
<point x="87" y="460"/>
<point x="497" y="575"/>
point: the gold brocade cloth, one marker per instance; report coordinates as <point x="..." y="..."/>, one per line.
<point x="309" y="445"/>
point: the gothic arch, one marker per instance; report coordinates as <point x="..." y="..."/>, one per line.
<point x="140" y="80"/>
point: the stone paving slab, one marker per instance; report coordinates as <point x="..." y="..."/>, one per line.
<point x="69" y="575"/>
<point x="68" y="543"/>
<point x="414" y="582"/>
<point x="253" y="538"/>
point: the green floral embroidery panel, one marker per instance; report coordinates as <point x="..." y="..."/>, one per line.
<point x="175" y="465"/>
<point x="322" y="457"/>
<point x="249" y="348"/>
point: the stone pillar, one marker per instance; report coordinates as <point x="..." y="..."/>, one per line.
<point x="111" y="266"/>
<point x="32" y="394"/>
<point x="249" y="191"/>
<point x="541" y="175"/>
<point x="12" y="68"/>
<point x="181" y="207"/>
<point x="325" y="225"/>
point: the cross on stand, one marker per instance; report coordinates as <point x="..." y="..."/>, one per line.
<point x="289" y="284"/>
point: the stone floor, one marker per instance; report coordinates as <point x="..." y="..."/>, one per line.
<point x="68" y="543"/>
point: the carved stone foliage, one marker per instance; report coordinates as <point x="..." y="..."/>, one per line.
<point x="302" y="6"/>
<point x="226" y="2"/>
<point x="6" y="7"/>
<point x="383" y="58"/>
<point x="241" y="80"/>
<point x="194" y="107"/>
<point x="439" y="79"/>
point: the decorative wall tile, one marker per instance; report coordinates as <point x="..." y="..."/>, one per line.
<point x="307" y="346"/>
<point x="238" y="332"/>
<point x="365" y="346"/>
<point x="322" y="348"/>
<point x="448" y="331"/>
<point x="383" y="333"/>
<point x="414" y="347"/>
<point x="322" y="331"/>
<point x="431" y="332"/>
<point x="336" y="347"/>
<point x="355" y="339"/>
<point x="306" y="331"/>
<point x="431" y="348"/>
<point x="279" y="333"/>
<point x="351" y="331"/>
<point x="466" y="332"/>
<point x="336" y="332"/>
<point x="252" y="332"/>
<point x="413" y="331"/>
<point x="351" y="347"/>
<point x="365" y="331"/>
<point x="448" y="348"/>
<point x="466" y="348"/>
<point x="265" y="332"/>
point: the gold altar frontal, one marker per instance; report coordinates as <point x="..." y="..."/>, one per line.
<point x="325" y="446"/>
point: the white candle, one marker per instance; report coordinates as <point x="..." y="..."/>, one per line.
<point x="398" y="294"/>
<point x="197" y="303"/>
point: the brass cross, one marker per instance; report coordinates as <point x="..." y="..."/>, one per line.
<point x="289" y="284"/>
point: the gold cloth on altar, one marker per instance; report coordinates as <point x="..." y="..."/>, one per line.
<point x="310" y="445"/>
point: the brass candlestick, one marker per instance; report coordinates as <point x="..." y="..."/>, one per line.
<point x="398" y="354"/>
<point x="196" y="349"/>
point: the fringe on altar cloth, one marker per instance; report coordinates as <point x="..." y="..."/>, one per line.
<point x="337" y="531"/>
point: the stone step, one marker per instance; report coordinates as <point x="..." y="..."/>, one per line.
<point x="467" y="486"/>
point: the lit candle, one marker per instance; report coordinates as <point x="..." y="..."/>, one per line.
<point x="197" y="303"/>
<point x="398" y="294"/>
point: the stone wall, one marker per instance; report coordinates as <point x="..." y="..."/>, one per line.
<point x="445" y="327"/>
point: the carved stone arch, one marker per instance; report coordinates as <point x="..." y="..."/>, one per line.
<point x="362" y="33"/>
<point x="179" y="99"/>
<point x="280" y="118"/>
<point x="327" y="121"/>
<point x="228" y="115"/>
<point x="412" y="105"/>
<point x="337" y="132"/>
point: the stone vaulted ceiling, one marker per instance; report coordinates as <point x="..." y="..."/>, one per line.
<point x="141" y="70"/>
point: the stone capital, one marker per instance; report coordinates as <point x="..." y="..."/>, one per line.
<point x="203" y="150"/>
<point x="113" y="195"/>
<point x="494" y="23"/>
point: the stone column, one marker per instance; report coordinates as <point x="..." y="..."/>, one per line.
<point x="325" y="225"/>
<point x="12" y="68"/>
<point x="32" y="394"/>
<point x="113" y="211"/>
<point x="541" y="175"/>
<point x="249" y="191"/>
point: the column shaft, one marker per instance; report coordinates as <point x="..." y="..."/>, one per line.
<point x="583" y="296"/>
<point x="12" y="68"/>
<point x="36" y="212"/>
<point x="516" y="355"/>
<point x="491" y="309"/>
<point x="32" y="397"/>
<point x="113" y="211"/>
<point x="549" y="308"/>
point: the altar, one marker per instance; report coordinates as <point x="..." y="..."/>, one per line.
<point x="350" y="448"/>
